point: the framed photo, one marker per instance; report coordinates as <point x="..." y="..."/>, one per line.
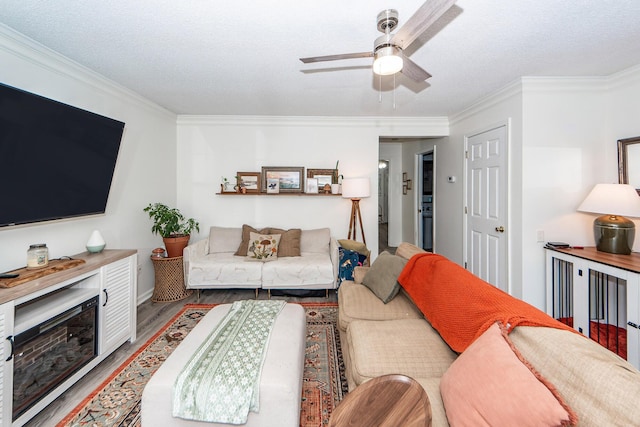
<point x="250" y="181"/>
<point x="312" y="185"/>
<point x="290" y="179"/>
<point x="404" y="177"/>
<point x="273" y="185"/>
<point x="404" y="189"/>
<point x="408" y="184"/>
<point x="324" y="176"/>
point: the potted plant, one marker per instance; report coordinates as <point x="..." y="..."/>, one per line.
<point x="172" y="226"/>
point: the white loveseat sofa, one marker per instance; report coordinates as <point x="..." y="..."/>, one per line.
<point x="307" y="259"/>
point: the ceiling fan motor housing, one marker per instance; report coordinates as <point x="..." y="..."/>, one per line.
<point x="387" y="20"/>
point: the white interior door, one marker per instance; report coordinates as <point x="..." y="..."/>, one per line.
<point x="487" y="232"/>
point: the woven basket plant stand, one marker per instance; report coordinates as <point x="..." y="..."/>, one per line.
<point x="169" y="282"/>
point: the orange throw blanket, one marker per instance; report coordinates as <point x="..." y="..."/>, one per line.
<point x="461" y="306"/>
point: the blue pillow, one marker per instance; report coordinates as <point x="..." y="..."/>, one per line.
<point x="348" y="261"/>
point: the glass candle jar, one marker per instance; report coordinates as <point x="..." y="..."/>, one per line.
<point x="38" y="256"/>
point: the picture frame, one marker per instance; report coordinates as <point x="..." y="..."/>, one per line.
<point x="408" y="184"/>
<point x="324" y="176"/>
<point x="404" y="189"/>
<point x="404" y="177"/>
<point x="273" y="186"/>
<point x="312" y="185"/>
<point x="290" y="178"/>
<point x="250" y="181"/>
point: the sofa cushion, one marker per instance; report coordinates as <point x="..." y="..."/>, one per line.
<point x="289" y="242"/>
<point x="224" y="269"/>
<point x="488" y="385"/>
<point x="382" y="277"/>
<point x="357" y="302"/>
<point x="244" y="244"/>
<point x="223" y="239"/>
<point x="263" y="247"/>
<point x="598" y="385"/>
<point x="438" y="414"/>
<point x="408" y="346"/>
<point x="298" y="272"/>
<point x="316" y="241"/>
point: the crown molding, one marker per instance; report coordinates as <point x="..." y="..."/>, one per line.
<point x="421" y="126"/>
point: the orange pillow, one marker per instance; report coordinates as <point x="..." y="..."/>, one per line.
<point x="490" y="385"/>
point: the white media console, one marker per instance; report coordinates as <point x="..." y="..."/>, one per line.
<point x="110" y="276"/>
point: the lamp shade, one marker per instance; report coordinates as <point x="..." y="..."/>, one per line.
<point x="356" y="188"/>
<point x="612" y="199"/>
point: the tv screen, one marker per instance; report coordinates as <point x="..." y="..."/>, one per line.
<point x="56" y="161"/>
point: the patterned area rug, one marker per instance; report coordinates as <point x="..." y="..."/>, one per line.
<point x="116" y="402"/>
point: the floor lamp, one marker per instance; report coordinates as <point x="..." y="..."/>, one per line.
<point x="355" y="189"/>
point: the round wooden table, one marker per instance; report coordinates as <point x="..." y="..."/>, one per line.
<point x="169" y="284"/>
<point x="386" y="401"/>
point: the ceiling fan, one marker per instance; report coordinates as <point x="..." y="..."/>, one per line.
<point x="387" y="49"/>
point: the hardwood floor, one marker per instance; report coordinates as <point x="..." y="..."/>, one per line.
<point x="151" y="317"/>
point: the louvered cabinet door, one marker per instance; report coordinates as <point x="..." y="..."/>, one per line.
<point x="6" y="356"/>
<point x="117" y="304"/>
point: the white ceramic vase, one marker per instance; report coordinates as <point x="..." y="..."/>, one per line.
<point x="96" y="243"/>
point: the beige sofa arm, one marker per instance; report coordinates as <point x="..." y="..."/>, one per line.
<point x="359" y="272"/>
<point x="334" y="253"/>
<point x="193" y="251"/>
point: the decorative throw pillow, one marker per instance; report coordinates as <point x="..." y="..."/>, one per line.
<point x="289" y="242"/>
<point x="244" y="245"/>
<point x="490" y="385"/>
<point x="382" y="276"/>
<point x="349" y="260"/>
<point x="358" y="247"/>
<point x="316" y="241"/>
<point x="224" y="239"/>
<point x="263" y="247"/>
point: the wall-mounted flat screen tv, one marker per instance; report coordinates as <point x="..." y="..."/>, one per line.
<point x="56" y="161"/>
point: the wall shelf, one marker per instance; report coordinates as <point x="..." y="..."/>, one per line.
<point x="233" y="193"/>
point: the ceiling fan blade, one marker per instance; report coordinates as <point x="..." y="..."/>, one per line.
<point x="337" y="57"/>
<point x="413" y="70"/>
<point x="426" y="15"/>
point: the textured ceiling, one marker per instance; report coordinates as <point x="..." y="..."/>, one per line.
<point x="241" y="58"/>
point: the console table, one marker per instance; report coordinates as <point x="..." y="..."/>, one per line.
<point x="598" y="294"/>
<point x="110" y="276"/>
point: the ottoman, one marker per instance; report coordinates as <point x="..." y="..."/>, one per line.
<point x="280" y="382"/>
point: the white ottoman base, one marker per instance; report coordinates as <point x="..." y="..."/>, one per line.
<point x="280" y="383"/>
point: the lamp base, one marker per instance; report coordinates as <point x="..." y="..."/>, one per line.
<point x="614" y="234"/>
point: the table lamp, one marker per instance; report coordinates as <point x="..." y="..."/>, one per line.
<point x="613" y="232"/>
<point x="355" y="189"/>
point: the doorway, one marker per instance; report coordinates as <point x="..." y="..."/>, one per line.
<point x="383" y="205"/>
<point x="426" y="201"/>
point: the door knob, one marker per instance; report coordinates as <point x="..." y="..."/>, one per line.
<point x="500" y="229"/>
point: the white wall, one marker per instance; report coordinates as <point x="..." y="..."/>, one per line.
<point x="212" y="147"/>
<point x="145" y="171"/>
<point x="564" y="155"/>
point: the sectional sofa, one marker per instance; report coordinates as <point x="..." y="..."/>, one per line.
<point x="305" y="259"/>
<point x="477" y="372"/>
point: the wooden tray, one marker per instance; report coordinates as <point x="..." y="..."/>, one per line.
<point x="27" y="275"/>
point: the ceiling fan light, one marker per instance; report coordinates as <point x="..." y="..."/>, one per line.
<point x="387" y="61"/>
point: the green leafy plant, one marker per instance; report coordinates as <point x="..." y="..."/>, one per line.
<point x="169" y="222"/>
